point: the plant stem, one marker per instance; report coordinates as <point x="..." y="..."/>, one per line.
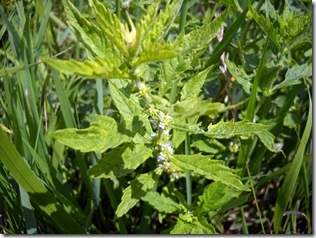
<point x="118" y="8"/>
<point x="183" y="15"/>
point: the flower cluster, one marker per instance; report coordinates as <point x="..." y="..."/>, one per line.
<point x="161" y="122"/>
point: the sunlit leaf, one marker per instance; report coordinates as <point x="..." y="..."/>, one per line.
<point x="210" y="169"/>
<point x="104" y="69"/>
<point x="100" y="136"/>
<point x="190" y="224"/>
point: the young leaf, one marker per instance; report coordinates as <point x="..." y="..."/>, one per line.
<point x="104" y="69"/>
<point x="120" y="161"/>
<point x="199" y="38"/>
<point x="89" y="34"/>
<point x="215" y="196"/>
<point x="100" y="136"/>
<point x="210" y="169"/>
<point x="111" y="26"/>
<point x="190" y="224"/>
<point x="230" y="129"/>
<point x="162" y="204"/>
<point x="193" y="86"/>
<point x="137" y="189"/>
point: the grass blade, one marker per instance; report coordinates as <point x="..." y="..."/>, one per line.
<point x="291" y="177"/>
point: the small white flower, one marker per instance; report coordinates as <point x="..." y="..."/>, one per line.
<point x="162" y="125"/>
<point x="161" y="157"/>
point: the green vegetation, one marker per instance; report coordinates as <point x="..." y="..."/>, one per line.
<point x="157" y="117"/>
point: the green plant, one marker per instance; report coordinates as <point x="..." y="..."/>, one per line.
<point x="156" y="120"/>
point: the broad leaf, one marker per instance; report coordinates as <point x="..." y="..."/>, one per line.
<point x="137" y="189"/>
<point x="100" y="136"/>
<point x="190" y="224"/>
<point x="120" y="161"/>
<point x="104" y="69"/>
<point x="210" y="169"/>
<point x="162" y="204"/>
<point x="208" y="145"/>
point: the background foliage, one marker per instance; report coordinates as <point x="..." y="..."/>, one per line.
<point x="240" y="102"/>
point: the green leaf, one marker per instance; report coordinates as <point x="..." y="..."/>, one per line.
<point x="190" y="224"/>
<point x="267" y="27"/>
<point x="117" y="32"/>
<point x="198" y="39"/>
<point x="194" y="107"/>
<point x="137" y="189"/>
<point x="287" y="188"/>
<point x="162" y="204"/>
<point x="104" y="69"/>
<point x="161" y="24"/>
<point x="210" y="169"/>
<point x="100" y="136"/>
<point x="25" y="177"/>
<point x="208" y="145"/>
<point x="120" y="161"/>
<point x="158" y="51"/>
<point x="225" y="130"/>
<point x="294" y="74"/>
<point x="240" y="75"/>
<point x="193" y="86"/>
<point x="215" y="196"/>
<point x="89" y="34"/>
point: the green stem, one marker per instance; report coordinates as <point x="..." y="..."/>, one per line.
<point x="188" y="181"/>
<point x="118" y="8"/>
<point x="183" y="15"/>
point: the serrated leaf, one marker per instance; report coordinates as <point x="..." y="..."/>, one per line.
<point x="210" y="169"/>
<point x="100" y="136"/>
<point x="117" y="32"/>
<point x="294" y="74"/>
<point x="215" y="196"/>
<point x="225" y="130"/>
<point x="162" y="204"/>
<point x="156" y="52"/>
<point x="193" y="86"/>
<point x="195" y="107"/>
<point x="120" y="161"/>
<point x="200" y="38"/>
<point x="267" y="26"/>
<point x="189" y="224"/>
<point x="104" y="69"/>
<point x="89" y="34"/>
<point x="138" y="189"/>
<point x="161" y="24"/>
<point x="240" y="75"/>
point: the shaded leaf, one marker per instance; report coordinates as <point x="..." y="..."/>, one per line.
<point x="162" y="204"/>
<point x="215" y="196"/>
<point x="120" y="161"/>
<point x="137" y="189"/>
